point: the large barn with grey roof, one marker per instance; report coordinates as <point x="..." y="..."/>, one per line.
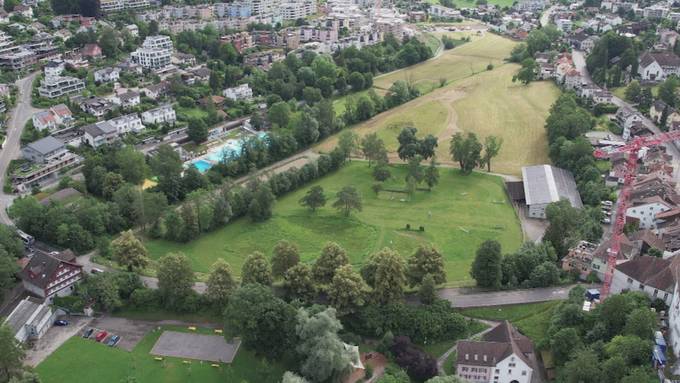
<point x="543" y="185"/>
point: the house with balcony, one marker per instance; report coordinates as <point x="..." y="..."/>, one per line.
<point x="54" y="87"/>
<point x="129" y="123"/>
<point x="97" y="106"/>
<point x="47" y="157"/>
<point x="241" y="92"/>
<point x="100" y="133"/>
<point x="127" y="100"/>
<point x="164" y="114"/>
<point x="110" y="74"/>
<point x="51" y="274"/>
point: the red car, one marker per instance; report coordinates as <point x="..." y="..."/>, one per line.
<point x="101" y="336"/>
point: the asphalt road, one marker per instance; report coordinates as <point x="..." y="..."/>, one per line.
<point x="462" y="298"/>
<point x="22" y="112"/>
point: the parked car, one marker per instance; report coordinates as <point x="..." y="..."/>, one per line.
<point x="96" y="271"/>
<point x="88" y="333"/>
<point x="606" y="220"/>
<point x="113" y="340"/>
<point x="61" y="322"/>
<point x="101" y="336"/>
<point x="607" y="213"/>
<point x="607" y="203"/>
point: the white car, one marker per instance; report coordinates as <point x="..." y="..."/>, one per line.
<point x="606" y="221"/>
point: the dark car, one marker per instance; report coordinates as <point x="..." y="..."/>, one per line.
<point x="113" y="340"/>
<point x="88" y="333"/>
<point x="61" y="322"/>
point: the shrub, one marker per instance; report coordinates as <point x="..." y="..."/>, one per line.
<point x="418" y="364"/>
<point x="144" y="297"/>
<point x="408" y="226"/>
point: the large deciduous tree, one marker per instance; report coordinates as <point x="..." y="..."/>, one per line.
<point x="347" y="291"/>
<point x="492" y="145"/>
<point x="220" y="284"/>
<point x="11" y="353"/>
<point x="486" y="268"/>
<point x="265" y="323"/>
<point x="348" y="199"/>
<point x="373" y="149"/>
<point x="426" y="260"/>
<point x="256" y="269"/>
<point x="332" y="258"/>
<point x="298" y="282"/>
<point x="466" y="149"/>
<point x="285" y="255"/>
<point x="385" y="273"/>
<point x="175" y="280"/>
<point x="314" y="198"/>
<point x="129" y="251"/>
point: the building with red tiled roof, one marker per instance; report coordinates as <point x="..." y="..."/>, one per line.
<point x="91" y="51"/>
<point x="502" y="355"/>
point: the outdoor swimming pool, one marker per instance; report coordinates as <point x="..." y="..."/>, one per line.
<point x="229" y="149"/>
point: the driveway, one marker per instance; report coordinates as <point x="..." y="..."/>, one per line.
<point x="54" y="338"/>
<point x="465" y="298"/>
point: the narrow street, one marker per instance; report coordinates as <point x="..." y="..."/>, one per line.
<point x="465" y="298"/>
<point x="22" y="112"/>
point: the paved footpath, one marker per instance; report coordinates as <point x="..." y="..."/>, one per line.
<point x="464" y="297"/>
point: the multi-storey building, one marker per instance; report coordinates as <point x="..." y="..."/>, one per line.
<point x="51" y="274"/>
<point x="17" y="59"/>
<point x="53" y="87"/>
<point x="108" y="6"/>
<point x="297" y="9"/>
<point x="155" y="53"/>
<point x="164" y="114"/>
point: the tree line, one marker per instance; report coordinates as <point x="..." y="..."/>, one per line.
<point x="365" y="302"/>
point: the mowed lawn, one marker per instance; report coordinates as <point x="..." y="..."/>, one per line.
<point x="454" y="64"/>
<point x="85" y="361"/>
<point x="457" y="215"/>
<point x="532" y="319"/>
<point x="429" y="115"/>
<point x="494" y="105"/>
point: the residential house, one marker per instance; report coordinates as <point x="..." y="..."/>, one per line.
<point x="645" y="210"/>
<point x="127" y="123"/>
<point x="53" y="68"/>
<point x="658" y="66"/>
<point x="156" y="91"/>
<point x="545" y="184"/>
<point x="564" y="25"/>
<point x="650" y="275"/>
<point x="51" y="274"/>
<point x="155" y="52"/>
<point x="18" y="59"/>
<point x="44" y="150"/>
<point x="91" y="51"/>
<point x="52" y="118"/>
<point x="626" y="117"/>
<point x="241" y="92"/>
<point x="110" y="74"/>
<point x="100" y="133"/>
<point x="164" y="114"/>
<point x="31" y="319"/>
<point x="97" y="106"/>
<point x="127" y="100"/>
<point x="657" y="109"/>
<point x="264" y="59"/>
<point x="54" y="87"/>
<point x="503" y="355"/>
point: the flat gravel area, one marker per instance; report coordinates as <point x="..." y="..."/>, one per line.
<point x="212" y="348"/>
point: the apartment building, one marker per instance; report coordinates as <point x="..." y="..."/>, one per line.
<point x="110" y="74"/>
<point x="108" y="6"/>
<point x="127" y="123"/>
<point x="18" y="59"/>
<point x="53" y="87"/>
<point x="164" y="114"/>
<point x="241" y="92"/>
<point x="297" y="9"/>
<point x="155" y="52"/>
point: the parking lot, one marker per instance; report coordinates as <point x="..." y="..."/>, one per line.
<point x="130" y="332"/>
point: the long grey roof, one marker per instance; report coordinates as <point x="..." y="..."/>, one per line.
<point x="545" y="184"/>
<point x="46" y="145"/>
<point x="23" y="312"/>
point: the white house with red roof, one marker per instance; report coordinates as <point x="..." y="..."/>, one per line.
<point x="52" y="118"/>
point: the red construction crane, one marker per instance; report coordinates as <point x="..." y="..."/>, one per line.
<point x="631" y="149"/>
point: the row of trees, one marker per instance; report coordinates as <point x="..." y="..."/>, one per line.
<point x="569" y="149"/>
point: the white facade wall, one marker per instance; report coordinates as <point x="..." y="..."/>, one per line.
<point x="646" y="213"/>
<point x="621" y="282"/>
<point x="513" y="369"/>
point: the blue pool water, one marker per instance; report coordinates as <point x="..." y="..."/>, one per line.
<point x="230" y="149"/>
<point x="202" y="165"/>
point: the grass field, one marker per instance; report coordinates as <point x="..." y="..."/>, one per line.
<point x="85" y="361"/>
<point x="532" y="319"/>
<point x="454" y="64"/>
<point x="488" y="103"/>
<point x="466" y="210"/>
